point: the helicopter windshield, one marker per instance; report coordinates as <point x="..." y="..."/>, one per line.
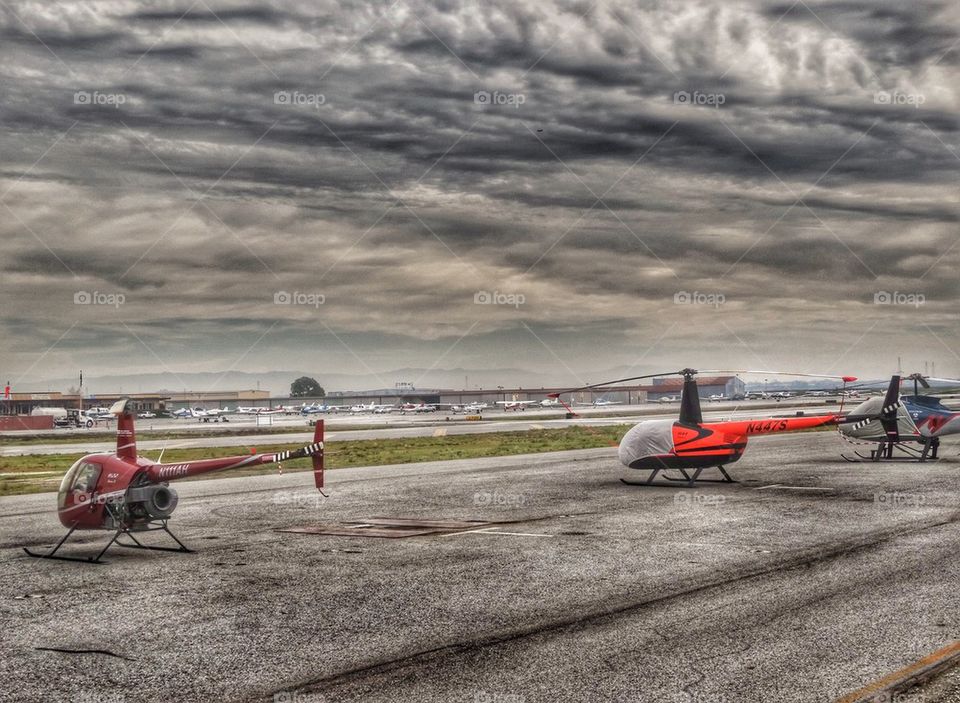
<point x="82" y="476"/>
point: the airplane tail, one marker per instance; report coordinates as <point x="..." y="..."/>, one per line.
<point x="126" y="437"/>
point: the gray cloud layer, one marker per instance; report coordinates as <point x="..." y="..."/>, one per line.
<point x="790" y="160"/>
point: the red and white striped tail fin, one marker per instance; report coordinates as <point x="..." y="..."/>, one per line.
<point x="318" y="457"/>
<point x="126" y="437"/>
<point x="313" y="450"/>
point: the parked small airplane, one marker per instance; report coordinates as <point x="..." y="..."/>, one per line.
<point x="216" y="415"/>
<point x="316" y="408"/>
<point x="418" y="408"/>
<point x="369" y="408"/>
<point x="468" y="409"/>
<point x="516" y="404"/>
<point x="290" y="409"/>
<point x="603" y="402"/>
<point x="252" y="410"/>
<point x="202" y="414"/>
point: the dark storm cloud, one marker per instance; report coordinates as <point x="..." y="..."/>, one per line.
<point x="202" y="158"/>
<point x="892" y="32"/>
<point x="56" y="41"/>
<point x="257" y="15"/>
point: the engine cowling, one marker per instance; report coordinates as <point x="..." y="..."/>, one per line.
<point x="156" y="500"/>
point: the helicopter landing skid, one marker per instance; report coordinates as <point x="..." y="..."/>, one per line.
<point x="98" y="559"/>
<point x="689" y="479"/>
<point x="885" y="452"/>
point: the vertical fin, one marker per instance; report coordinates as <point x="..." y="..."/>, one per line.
<point x="690" y="413"/>
<point x="888" y="414"/>
<point x="126" y="437"/>
<point x="318" y="457"/>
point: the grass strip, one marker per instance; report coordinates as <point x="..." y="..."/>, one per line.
<point x="36" y="473"/>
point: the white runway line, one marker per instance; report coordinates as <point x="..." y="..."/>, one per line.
<point x="490" y="531"/>
<point x="794" y="488"/>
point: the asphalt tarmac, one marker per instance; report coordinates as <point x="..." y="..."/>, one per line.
<point x="808" y="579"/>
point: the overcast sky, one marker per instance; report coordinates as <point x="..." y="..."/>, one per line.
<point x="203" y="186"/>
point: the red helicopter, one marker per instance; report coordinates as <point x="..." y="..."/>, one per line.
<point x="125" y="493"/>
<point x="690" y="445"/>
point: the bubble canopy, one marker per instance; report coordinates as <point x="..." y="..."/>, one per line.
<point x="80" y="478"/>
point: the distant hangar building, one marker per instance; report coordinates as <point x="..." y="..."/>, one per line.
<point x="730" y="386"/>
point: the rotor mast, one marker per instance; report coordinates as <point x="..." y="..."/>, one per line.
<point x="690" y="412"/>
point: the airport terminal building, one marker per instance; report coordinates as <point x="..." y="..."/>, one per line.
<point x="26" y="403"/>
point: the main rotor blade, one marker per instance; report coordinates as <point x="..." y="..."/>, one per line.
<point x="938" y="380"/>
<point x="846" y="379"/>
<point x="608" y="383"/>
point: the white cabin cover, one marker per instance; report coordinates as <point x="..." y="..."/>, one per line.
<point x="649" y="438"/>
<point x="872" y="430"/>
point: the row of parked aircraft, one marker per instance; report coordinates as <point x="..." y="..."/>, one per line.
<point x="403" y="408"/>
<point x="768" y="395"/>
<point x="772" y="395"/>
<point x="220" y="414"/>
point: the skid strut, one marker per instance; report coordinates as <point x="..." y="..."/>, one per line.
<point x="688" y="478"/>
<point x="98" y="559"/>
<point x="885" y="452"/>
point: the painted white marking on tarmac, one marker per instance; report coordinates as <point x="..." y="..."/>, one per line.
<point x="794" y="488"/>
<point x="491" y="531"/>
<point x="440" y="432"/>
